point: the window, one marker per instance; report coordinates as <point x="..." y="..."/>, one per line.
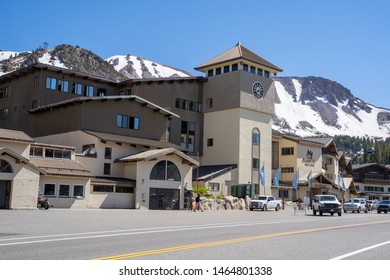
<point x="266" y="74"/>
<point x="107" y="169"/>
<point x="3" y="113"/>
<point x="283" y="193"/>
<point x="287" y="151"/>
<point x="5" y="167"/>
<point x="256" y="137"/>
<point x="213" y="186"/>
<point x="218" y="71"/>
<point x="245" y="67"/>
<point x="287" y="169"/>
<point x="77" y="88"/>
<point x="78" y="191"/>
<point x="89" y="150"/>
<point x="49" y="190"/>
<point x="253" y="70"/>
<point x="226" y="69"/>
<point x="64" y="190"/>
<point x="187" y="137"/>
<point x="51" y="83"/>
<point x="210" y="142"/>
<point x="210" y="72"/>
<point x="36" y="151"/>
<point x="36" y="82"/>
<point x="97" y="188"/>
<point x="235" y="67"/>
<point x="63" y="86"/>
<point x="255" y="163"/>
<point x="209" y="103"/>
<point x="188" y="105"/>
<point x="88" y="90"/>
<point x="134" y="123"/>
<point x="259" y="72"/>
<point x="121" y="121"/>
<point x="107" y="153"/>
<point x="165" y="170"/>
<point x="119" y="189"/>
<point x="49" y="153"/>
<point x="101" y="92"/>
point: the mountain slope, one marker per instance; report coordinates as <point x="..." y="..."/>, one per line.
<point x="313" y="105"/>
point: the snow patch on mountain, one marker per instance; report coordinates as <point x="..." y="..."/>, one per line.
<point x="317" y="115"/>
<point x="136" y="67"/>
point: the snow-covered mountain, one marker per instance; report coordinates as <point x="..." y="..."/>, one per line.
<point x="136" y="67"/>
<point x="305" y="106"/>
<point x="119" y="67"/>
<point x="312" y="106"/>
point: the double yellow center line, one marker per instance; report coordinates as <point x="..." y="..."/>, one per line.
<point x="230" y="241"/>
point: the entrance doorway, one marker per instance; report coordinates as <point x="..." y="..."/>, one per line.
<point x="164" y="199"/>
<point x="5" y="194"/>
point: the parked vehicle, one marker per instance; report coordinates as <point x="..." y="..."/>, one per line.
<point x="326" y="204"/>
<point x="265" y="202"/>
<point x="355" y="204"/>
<point x="43" y="203"/>
<point x="372" y="204"/>
<point x="383" y="206"/>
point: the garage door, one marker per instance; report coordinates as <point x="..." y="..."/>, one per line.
<point x="112" y="197"/>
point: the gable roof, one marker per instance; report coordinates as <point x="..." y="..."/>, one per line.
<point x="235" y="53"/>
<point x="20" y="159"/>
<point x="155" y="154"/>
<point x="15" y="135"/>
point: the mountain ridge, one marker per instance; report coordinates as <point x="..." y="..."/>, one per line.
<point x="305" y="106"/>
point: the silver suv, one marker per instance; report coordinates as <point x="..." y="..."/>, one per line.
<point x="326" y="204"/>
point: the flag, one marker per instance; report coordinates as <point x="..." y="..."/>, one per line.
<point x="309" y="179"/>
<point x="276" y="178"/>
<point x="262" y="176"/>
<point x="295" y="181"/>
<point x="338" y="181"/>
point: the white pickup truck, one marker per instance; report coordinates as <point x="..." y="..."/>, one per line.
<point x="265" y="202"/>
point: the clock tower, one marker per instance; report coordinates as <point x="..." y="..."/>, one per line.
<point x="239" y="102"/>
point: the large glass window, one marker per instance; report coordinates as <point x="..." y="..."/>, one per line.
<point x="88" y="91"/>
<point x="165" y="170"/>
<point x="187" y="137"/>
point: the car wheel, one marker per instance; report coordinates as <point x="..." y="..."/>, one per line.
<point x="277" y="207"/>
<point x="331" y="214"/>
<point x="353" y="211"/>
<point x="265" y="208"/>
<point x="320" y="211"/>
<point x="358" y="210"/>
<point x="339" y="213"/>
<point x="385" y="211"/>
<point x="378" y="211"/>
<point x="314" y="212"/>
<point x="251" y="209"/>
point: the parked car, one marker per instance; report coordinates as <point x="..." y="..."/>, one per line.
<point x="372" y="204"/>
<point x="383" y="206"/>
<point x="265" y="202"/>
<point x="326" y="204"/>
<point x="355" y="204"/>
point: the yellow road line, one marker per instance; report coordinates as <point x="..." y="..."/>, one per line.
<point x="230" y="241"/>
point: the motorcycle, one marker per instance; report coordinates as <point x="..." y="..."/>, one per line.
<point x="43" y="203"/>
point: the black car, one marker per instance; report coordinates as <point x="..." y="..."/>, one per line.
<point x="384" y="206"/>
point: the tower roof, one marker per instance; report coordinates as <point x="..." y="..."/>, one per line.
<point x="235" y="53"/>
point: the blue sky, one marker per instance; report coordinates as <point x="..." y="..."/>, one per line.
<point x="345" y="41"/>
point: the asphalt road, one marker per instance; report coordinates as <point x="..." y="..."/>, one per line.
<point x="64" y="234"/>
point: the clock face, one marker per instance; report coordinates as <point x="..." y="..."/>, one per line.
<point x="258" y="90"/>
